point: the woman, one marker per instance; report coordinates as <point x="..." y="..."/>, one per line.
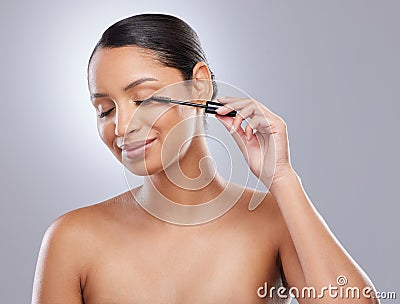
<point x="117" y="252"/>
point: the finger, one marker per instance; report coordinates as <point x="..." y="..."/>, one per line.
<point x="235" y="104"/>
<point x="241" y="115"/>
<point x="252" y="107"/>
<point x="234" y="101"/>
<point x="237" y="123"/>
<point x="246" y="112"/>
<point x="227" y="121"/>
<point x="260" y="124"/>
<point x="239" y="135"/>
<point x="229" y="99"/>
<point x="249" y="110"/>
<point x="249" y="132"/>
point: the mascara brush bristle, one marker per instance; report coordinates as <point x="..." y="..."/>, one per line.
<point x="160" y="99"/>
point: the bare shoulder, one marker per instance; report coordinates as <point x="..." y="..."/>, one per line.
<point x="86" y="222"/>
<point x="267" y="209"/>
<point x="266" y="218"/>
<point x="68" y="250"/>
<point x="81" y="232"/>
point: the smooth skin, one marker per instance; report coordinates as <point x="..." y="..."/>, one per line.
<point x="115" y="252"/>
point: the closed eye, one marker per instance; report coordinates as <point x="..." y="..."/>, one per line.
<point x="159" y="99"/>
<point x="106" y="113"/>
<point x="137" y="102"/>
<point x="142" y="102"/>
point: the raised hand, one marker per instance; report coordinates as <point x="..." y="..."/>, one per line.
<point x="263" y="141"/>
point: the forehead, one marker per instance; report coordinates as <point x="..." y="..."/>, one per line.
<point x="121" y="65"/>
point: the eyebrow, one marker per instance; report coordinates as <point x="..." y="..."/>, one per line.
<point x="126" y="88"/>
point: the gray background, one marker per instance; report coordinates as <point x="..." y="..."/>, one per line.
<point x="329" y="68"/>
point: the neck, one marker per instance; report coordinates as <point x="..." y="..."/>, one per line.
<point x="192" y="180"/>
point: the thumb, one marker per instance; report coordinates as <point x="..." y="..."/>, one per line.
<point x="227" y="121"/>
<point x="239" y="136"/>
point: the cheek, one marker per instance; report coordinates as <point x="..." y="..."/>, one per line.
<point x="176" y="131"/>
<point x="173" y="124"/>
<point x="106" y="132"/>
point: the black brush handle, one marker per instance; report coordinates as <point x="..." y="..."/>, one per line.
<point x="211" y="107"/>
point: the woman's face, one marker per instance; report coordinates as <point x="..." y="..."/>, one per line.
<point x="118" y="77"/>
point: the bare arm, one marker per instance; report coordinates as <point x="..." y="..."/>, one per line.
<point x="59" y="267"/>
<point x="310" y="253"/>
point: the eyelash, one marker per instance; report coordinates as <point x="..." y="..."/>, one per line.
<point x="106" y="113"/>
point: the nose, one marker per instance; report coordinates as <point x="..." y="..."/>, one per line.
<point x="124" y="121"/>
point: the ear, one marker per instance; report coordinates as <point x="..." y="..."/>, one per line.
<point x="201" y="71"/>
<point x="202" y="83"/>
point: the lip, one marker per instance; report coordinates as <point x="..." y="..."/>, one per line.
<point x="137" y="148"/>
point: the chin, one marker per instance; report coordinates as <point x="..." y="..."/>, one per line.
<point x="150" y="164"/>
<point x="144" y="167"/>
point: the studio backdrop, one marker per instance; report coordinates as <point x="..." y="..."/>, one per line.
<point x="330" y="69"/>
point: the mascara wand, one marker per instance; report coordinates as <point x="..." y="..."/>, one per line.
<point x="210" y="106"/>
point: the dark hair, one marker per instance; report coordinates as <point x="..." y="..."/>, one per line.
<point x="173" y="40"/>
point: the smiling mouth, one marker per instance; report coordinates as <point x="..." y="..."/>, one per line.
<point x="138" y="148"/>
